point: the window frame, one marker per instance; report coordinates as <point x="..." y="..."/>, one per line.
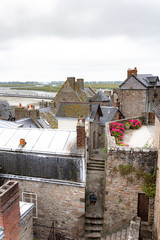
<point x="33" y="196"/>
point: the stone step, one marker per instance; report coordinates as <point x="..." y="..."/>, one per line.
<point x="95" y="169"/>
<point x="96" y="162"/>
<point x="95" y="165"/>
<point x="93" y="235"/>
<point x="95" y="221"/>
<point x="96" y="159"/>
<point x="120" y="235"/>
<point x="94" y="227"/>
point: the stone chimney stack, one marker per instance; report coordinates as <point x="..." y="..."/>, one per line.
<point x="71" y="80"/>
<point x="9" y="210"/>
<point x="130" y="71"/>
<point x="80" y="83"/>
<point x="81" y="133"/>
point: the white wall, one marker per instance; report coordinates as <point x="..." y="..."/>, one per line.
<point x="70" y="123"/>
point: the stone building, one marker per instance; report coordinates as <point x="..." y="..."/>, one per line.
<point x="50" y="166"/>
<point x="68" y="114"/>
<point x="109" y="114"/>
<point x="124" y="196"/>
<point x="101" y="98"/>
<point x="16" y="220"/>
<point x="157" y="197"/>
<point x="73" y="91"/>
<point x="138" y="93"/>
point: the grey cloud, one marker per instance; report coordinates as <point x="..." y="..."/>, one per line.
<point x="81" y="18"/>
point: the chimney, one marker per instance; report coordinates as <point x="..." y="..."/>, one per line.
<point x="71" y="80"/>
<point x="81" y="133"/>
<point x="80" y="83"/>
<point x="9" y="210"/>
<point x="130" y="71"/>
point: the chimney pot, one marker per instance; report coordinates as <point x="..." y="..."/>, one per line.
<point x="130" y="71"/>
<point x="22" y="142"/>
<point x="20" y="105"/>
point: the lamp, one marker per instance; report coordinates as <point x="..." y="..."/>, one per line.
<point x="92" y="199"/>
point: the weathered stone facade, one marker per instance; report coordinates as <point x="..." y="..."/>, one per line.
<point x="157" y="197"/>
<point x="132" y="102"/>
<point x="71" y="91"/>
<point x="63" y="204"/>
<point x="138" y="94"/>
<point x="121" y="198"/>
<point x="124" y="189"/>
<point x="21" y="112"/>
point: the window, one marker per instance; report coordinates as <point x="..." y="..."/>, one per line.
<point x="30" y="198"/>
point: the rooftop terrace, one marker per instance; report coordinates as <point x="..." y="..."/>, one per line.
<point x="141" y="138"/>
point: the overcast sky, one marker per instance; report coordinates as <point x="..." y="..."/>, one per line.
<point x="98" y="40"/>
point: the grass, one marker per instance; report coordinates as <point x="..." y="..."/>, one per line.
<point x="50" y="88"/>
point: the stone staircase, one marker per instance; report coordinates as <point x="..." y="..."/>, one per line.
<point x="120" y="235"/>
<point x="96" y="164"/>
<point x="93" y="227"/>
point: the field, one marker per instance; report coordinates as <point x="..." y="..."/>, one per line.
<point x="56" y="87"/>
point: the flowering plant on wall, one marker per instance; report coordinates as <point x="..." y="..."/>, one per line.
<point x="135" y="123"/>
<point x="117" y="130"/>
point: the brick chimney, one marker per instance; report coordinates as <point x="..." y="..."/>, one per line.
<point x="71" y="80"/>
<point x="130" y="71"/>
<point x="81" y="133"/>
<point x="9" y="210"/>
<point x="80" y="83"/>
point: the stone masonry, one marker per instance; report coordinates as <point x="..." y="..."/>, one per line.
<point x="59" y="203"/>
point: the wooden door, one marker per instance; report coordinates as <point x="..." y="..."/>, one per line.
<point x="143" y="203"/>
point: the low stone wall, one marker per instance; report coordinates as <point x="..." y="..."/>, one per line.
<point x="26" y="227"/>
<point x="134" y="229"/>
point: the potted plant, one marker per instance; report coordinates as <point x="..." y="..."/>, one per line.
<point x="127" y="126"/>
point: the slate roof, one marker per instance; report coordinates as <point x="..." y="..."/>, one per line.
<point x="47" y="117"/>
<point x="27" y="123"/>
<point x="76" y="110"/>
<point x="89" y="91"/>
<point x="73" y="110"/>
<point x="108" y="114"/>
<point x="100" y="96"/>
<point x="147" y="80"/>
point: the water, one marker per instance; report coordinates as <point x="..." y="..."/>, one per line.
<point x="14" y="101"/>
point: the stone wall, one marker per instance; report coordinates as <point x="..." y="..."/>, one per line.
<point x="121" y="197"/>
<point x="156" y="227"/>
<point x="61" y="203"/>
<point x="133" y="102"/>
<point x="26" y="227"/>
<point x="21" y="112"/>
<point x="94" y="134"/>
<point x="69" y="92"/>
